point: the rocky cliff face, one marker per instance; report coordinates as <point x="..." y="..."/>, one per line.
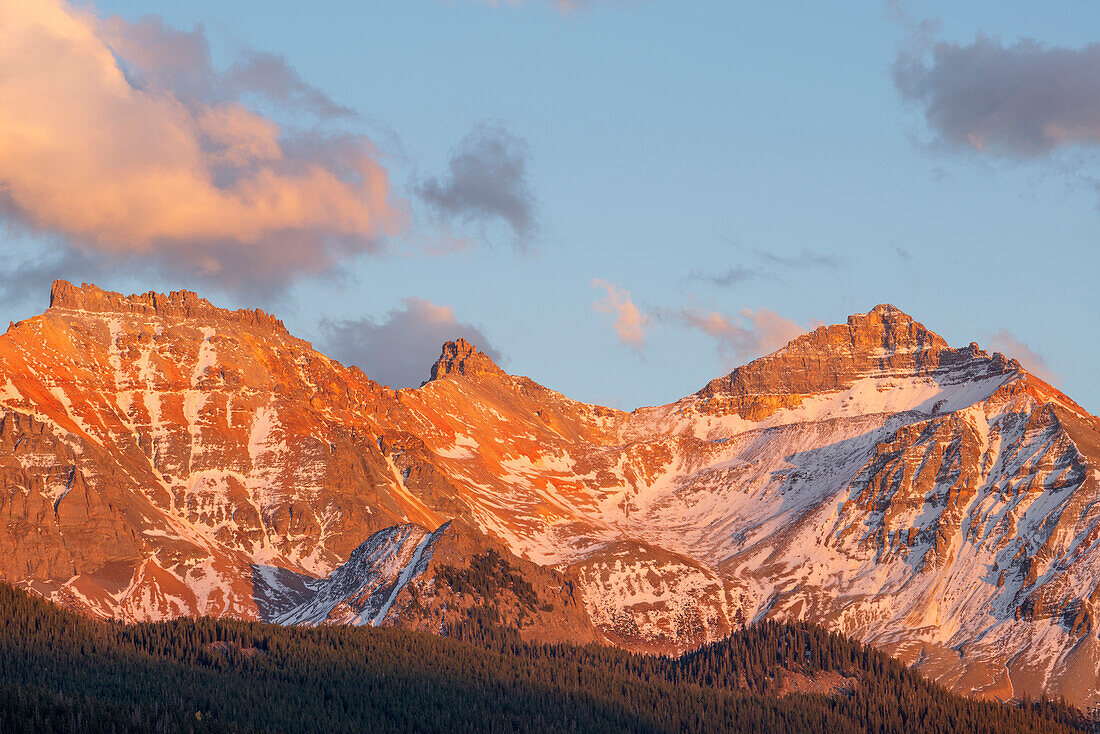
<point x="160" y="456"/>
<point x="165" y="457"/>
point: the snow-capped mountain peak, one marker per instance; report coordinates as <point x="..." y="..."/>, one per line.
<point x="165" y="457"/>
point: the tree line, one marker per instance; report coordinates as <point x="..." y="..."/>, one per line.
<point x="60" y="672"/>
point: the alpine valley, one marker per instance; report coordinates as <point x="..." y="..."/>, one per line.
<point x="161" y="458"/>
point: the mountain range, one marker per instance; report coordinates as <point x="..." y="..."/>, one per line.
<point x="161" y="457"/>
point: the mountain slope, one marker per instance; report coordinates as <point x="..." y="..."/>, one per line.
<point x="60" y="672"/>
<point x="163" y="457"/>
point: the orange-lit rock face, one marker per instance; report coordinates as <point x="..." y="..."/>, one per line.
<point x="161" y="457"/>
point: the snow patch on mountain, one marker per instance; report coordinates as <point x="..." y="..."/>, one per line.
<point x="361" y="591"/>
<point x="208" y="356"/>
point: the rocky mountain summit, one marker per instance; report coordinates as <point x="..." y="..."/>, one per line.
<point x="160" y="456"/>
<point x="459" y="357"/>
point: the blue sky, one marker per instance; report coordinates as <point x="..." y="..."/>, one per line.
<point x="743" y="167"/>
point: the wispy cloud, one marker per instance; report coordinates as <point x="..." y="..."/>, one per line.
<point x="728" y="277"/>
<point x="1006" y="343"/>
<point x="486" y="183"/>
<point x="748" y="334"/>
<point x="768" y="265"/>
<point x="124" y="140"/>
<point x="399" y="349"/>
<point x="803" y="260"/>
<point x="630" y="323"/>
<point x="1021" y="100"/>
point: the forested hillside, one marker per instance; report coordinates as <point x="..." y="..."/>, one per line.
<point x="63" y="672"/>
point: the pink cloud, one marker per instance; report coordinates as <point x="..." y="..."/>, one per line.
<point x="1006" y="343"/>
<point x="745" y="336"/>
<point x="107" y="140"/>
<point x="630" y="323"/>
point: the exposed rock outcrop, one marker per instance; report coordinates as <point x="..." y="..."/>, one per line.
<point x="459" y="357"/>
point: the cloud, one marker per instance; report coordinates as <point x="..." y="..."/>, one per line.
<point x="742" y="337"/>
<point x="630" y="323"/>
<point x="804" y="260"/>
<point x="770" y="265"/>
<point x="1022" y="100"/>
<point x="486" y="183"/>
<point x="729" y="276"/>
<point x="400" y="349"/>
<point x="154" y="55"/>
<point x="270" y="75"/>
<point x="25" y="280"/>
<point x="124" y="141"/>
<point x="1006" y="343"/>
